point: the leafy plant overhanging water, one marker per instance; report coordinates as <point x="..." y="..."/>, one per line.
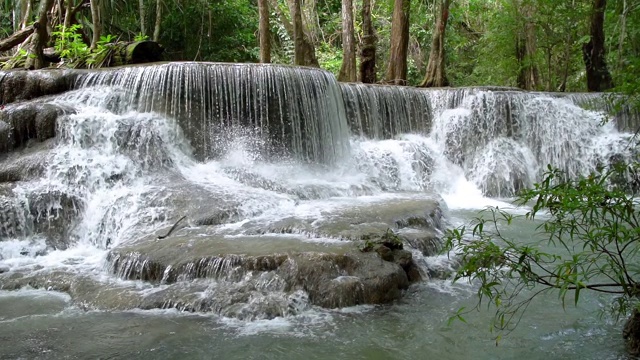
<point x="591" y="226"/>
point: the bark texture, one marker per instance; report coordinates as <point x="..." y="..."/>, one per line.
<point x="397" y="69"/>
<point x="143" y="25"/>
<point x="15" y="39"/>
<point x="436" y="75"/>
<point x="40" y="37"/>
<point x="526" y="47"/>
<point x="95" y="20"/>
<point x="265" y="34"/>
<point x="368" y="47"/>
<point x="304" y="52"/>
<point x="631" y="333"/>
<point x="593" y="52"/>
<point x="348" y="70"/>
<point x="156" y="29"/>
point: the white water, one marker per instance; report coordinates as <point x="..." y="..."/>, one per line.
<point x="118" y="174"/>
<point x="119" y="167"/>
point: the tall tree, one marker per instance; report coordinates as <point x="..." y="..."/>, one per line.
<point x="348" y="70"/>
<point x="156" y="28"/>
<point x="368" y="46"/>
<point x="26" y="13"/>
<point x="265" y="34"/>
<point x="40" y="37"/>
<point x="143" y="25"/>
<point x="304" y="52"/>
<point x="97" y="23"/>
<point x="526" y="47"/>
<point x="436" y="75"/>
<point x="397" y="68"/>
<point x="593" y="52"/>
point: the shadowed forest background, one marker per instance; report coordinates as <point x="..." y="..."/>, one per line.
<point x="531" y="44"/>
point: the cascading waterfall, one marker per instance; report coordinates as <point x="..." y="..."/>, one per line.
<point x="298" y="109"/>
<point x="502" y="139"/>
<point x="260" y="162"/>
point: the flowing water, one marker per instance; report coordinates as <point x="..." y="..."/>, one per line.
<point x="264" y="159"/>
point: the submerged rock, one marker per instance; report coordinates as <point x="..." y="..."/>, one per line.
<point x="319" y="269"/>
<point x="48" y="213"/>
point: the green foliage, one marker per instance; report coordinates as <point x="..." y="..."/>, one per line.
<point x="211" y="31"/>
<point x="75" y="53"/>
<point x="68" y="43"/>
<point x="141" y="37"/>
<point x="589" y="241"/>
<point x="329" y="57"/>
<point x="389" y="239"/>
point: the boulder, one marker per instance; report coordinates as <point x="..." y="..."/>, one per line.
<point x="26" y="163"/>
<point x="21" y="85"/>
<point x="330" y="273"/>
<point x="29" y="121"/>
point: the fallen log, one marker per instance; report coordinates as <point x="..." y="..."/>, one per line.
<point x="136" y="53"/>
<point x="16" y="38"/>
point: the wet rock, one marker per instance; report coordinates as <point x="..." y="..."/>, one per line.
<point x="403" y="258"/>
<point x="346" y="280"/>
<point x="27" y="163"/>
<point x="428" y="242"/>
<point x="52" y="214"/>
<point x="21" y="123"/>
<point x="4" y="269"/>
<point x="19" y="85"/>
<point x="360" y="221"/>
<point x="296" y="264"/>
<point x="13" y="220"/>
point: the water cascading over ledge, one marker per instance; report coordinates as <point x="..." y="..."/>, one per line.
<point x="293" y="110"/>
<point x="502" y="138"/>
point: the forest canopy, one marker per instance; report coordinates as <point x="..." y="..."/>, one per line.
<point x="533" y="44"/>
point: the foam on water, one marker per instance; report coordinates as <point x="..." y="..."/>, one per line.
<point x="123" y="168"/>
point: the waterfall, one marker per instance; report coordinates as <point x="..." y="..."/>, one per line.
<point x="278" y="172"/>
<point x="298" y="110"/>
<point x="501" y="138"/>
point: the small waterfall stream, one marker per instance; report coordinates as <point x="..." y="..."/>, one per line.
<point x="245" y="190"/>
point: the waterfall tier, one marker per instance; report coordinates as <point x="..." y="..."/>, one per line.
<point x="292" y="109"/>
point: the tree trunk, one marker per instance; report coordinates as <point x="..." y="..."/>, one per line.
<point x="36" y="60"/>
<point x="348" y="69"/>
<point x="397" y="69"/>
<point x="436" y="75"/>
<point x="368" y="47"/>
<point x="526" y="48"/>
<point x="27" y="6"/>
<point x="304" y="52"/>
<point x="623" y="30"/>
<point x="265" y="33"/>
<point x="97" y="25"/>
<point x="143" y="28"/>
<point x="593" y="52"/>
<point x="631" y="333"/>
<point x="67" y="14"/>
<point x="15" y="39"/>
<point x="156" y="28"/>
